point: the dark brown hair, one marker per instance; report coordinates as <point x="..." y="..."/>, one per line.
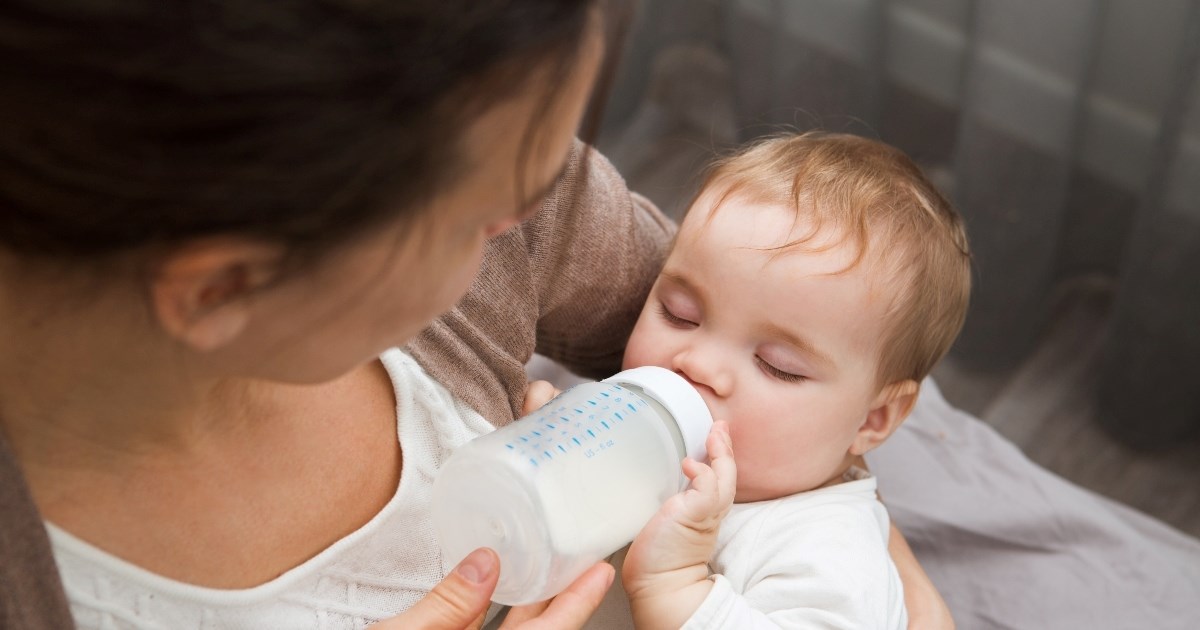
<point x="126" y="123"/>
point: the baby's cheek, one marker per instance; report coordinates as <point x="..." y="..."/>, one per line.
<point x="757" y="446"/>
<point x="636" y="354"/>
<point x="631" y="358"/>
<point x="740" y="442"/>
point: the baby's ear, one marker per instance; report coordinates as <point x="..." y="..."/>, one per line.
<point x="888" y="410"/>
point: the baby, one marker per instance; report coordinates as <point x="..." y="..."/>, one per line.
<point x="816" y="280"/>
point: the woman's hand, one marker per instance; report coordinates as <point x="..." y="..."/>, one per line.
<point x="538" y="394"/>
<point x="460" y="601"/>
<point x="926" y="608"/>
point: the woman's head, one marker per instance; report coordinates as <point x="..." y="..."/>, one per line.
<point x="132" y="122"/>
<point x="217" y="140"/>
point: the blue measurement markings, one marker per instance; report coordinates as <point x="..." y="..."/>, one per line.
<point x="561" y="431"/>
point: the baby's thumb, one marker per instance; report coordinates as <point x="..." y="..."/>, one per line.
<point x="458" y="601"/>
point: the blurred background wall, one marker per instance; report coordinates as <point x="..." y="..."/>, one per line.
<point x="1068" y="135"/>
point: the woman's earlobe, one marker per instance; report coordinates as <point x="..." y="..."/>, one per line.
<point x="216" y="329"/>
<point x="201" y="295"/>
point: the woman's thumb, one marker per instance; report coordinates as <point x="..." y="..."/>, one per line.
<point x="458" y="601"/>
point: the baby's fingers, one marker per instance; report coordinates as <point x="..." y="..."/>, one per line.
<point x="721" y="462"/>
<point x="701" y="502"/>
<point x="703" y="480"/>
<point x="719" y="444"/>
<point x="712" y="485"/>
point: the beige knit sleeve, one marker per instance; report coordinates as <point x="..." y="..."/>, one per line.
<point x="31" y="595"/>
<point x="569" y="283"/>
<point x="593" y="275"/>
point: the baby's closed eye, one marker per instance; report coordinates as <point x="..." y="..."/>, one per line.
<point x="778" y="373"/>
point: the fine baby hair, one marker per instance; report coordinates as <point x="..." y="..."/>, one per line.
<point x="874" y="195"/>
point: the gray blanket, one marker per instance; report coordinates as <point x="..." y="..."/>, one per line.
<point x="1011" y="545"/>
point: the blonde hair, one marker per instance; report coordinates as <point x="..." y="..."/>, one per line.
<point x="877" y="197"/>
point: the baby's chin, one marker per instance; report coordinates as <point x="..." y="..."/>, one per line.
<point x="747" y="495"/>
<point x="754" y="495"/>
<point x="765" y="490"/>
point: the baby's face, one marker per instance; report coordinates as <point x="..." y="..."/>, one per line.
<point x="782" y="346"/>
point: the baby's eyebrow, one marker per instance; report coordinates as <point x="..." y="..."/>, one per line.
<point x="675" y="278"/>
<point x="801" y="344"/>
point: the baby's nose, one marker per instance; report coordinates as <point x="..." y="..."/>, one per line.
<point x="705" y="373"/>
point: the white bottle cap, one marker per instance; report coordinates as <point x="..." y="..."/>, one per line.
<point x="674" y="393"/>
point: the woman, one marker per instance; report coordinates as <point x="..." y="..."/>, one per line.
<point x="215" y="217"/>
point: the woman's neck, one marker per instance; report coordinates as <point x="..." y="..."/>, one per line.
<point x="156" y="455"/>
<point x="86" y="387"/>
<point x="179" y="475"/>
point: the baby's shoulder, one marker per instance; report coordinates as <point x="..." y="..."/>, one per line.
<point x="809" y="519"/>
<point x="846" y="500"/>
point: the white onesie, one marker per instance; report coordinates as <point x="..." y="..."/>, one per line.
<point x="816" y="559"/>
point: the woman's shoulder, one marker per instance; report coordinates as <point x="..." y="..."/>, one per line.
<point x="30" y="593"/>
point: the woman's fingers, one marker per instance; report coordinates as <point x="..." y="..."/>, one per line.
<point x="458" y="602"/>
<point x="569" y="609"/>
<point x="926" y="608"/>
<point x="539" y="393"/>
<point x="518" y="615"/>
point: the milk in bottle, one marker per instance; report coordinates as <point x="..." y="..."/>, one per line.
<point x="571" y="483"/>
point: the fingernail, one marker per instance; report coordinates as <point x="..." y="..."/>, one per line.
<point x="477" y="567"/>
<point x="610" y="575"/>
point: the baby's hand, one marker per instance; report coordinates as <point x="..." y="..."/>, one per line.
<point x="666" y="569"/>
<point x="537" y="394"/>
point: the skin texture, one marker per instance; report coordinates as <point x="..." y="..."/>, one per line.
<point x="141" y="405"/>
<point x="782" y="346"/>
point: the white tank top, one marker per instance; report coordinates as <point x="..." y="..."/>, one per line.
<point x="374" y="573"/>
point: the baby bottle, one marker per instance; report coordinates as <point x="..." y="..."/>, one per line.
<point x="566" y="486"/>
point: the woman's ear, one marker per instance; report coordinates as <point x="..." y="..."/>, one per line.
<point x="203" y="292"/>
<point x="888" y="410"/>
